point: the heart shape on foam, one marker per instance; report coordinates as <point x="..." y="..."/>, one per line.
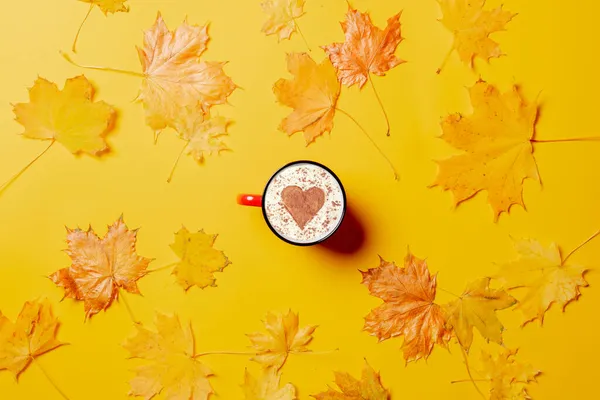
<point x="302" y="205"/>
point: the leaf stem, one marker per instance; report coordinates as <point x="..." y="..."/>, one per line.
<point x="227" y="353"/>
<point x="582" y="139"/>
<point x="579" y="247"/>
<point x="49" y="378"/>
<point x="97" y="68"/>
<point x="445" y="61"/>
<point x="128" y="307"/>
<point x="163" y="267"/>
<point x="315" y="353"/>
<point x="12" y="180"/>
<point x="466" y="358"/>
<point x="470" y="380"/>
<point x="372" y="141"/>
<point x="301" y="34"/>
<point x="447" y="291"/>
<point x="74" y="48"/>
<point x="176" y="163"/>
<point x="387" y="120"/>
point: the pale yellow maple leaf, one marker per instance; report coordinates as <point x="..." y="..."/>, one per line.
<point x="475" y="308"/>
<point x="369" y="387"/>
<point x="267" y="387"/>
<point x="282" y="17"/>
<point x="172" y="368"/>
<point x="204" y="134"/>
<point x="69" y="116"/>
<point x="541" y="277"/>
<point x="508" y="377"/>
<point x="283" y="338"/>
<point x="497" y="149"/>
<point x="109" y="6"/>
<point x="199" y="259"/>
<point x="32" y="335"/>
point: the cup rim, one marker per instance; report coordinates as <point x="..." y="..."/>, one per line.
<point x="343" y="210"/>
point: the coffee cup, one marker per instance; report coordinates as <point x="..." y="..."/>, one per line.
<point x="303" y="203"/>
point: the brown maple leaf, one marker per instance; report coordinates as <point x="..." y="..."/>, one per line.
<point x="408" y="309"/>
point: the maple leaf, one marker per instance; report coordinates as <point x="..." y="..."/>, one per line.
<point x="174" y="76"/>
<point x="542" y="277"/>
<point x="408" y="309"/>
<point x="369" y="387"/>
<point x="203" y="134"/>
<point x="498" y="153"/>
<point x="475" y="308"/>
<point x="173" y="369"/>
<point x="32" y="335"/>
<point x="313" y="94"/>
<point x="508" y="377"/>
<point x="283" y="337"/>
<point x="199" y="259"/>
<point x="472" y="26"/>
<point x="100" y="267"/>
<point x="69" y="116"/>
<point x="267" y="387"/>
<point x="109" y="6"/>
<point x="282" y="17"/>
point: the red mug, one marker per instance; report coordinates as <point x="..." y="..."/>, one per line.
<point x="303" y="203"/>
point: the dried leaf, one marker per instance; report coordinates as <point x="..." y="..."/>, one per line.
<point x="498" y="153"/>
<point x="282" y="17"/>
<point x="68" y="116"/>
<point x="313" y="95"/>
<point x="475" y="308"/>
<point x="408" y="309"/>
<point x="175" y="77"/>
<point x="172" y="369"/>
<point x="199" y="259"/>
<point x="542" y="278"/>
<point x="203" y="133"/>
<point x="267" y="387"/>
<point x="33" y="334"/>
<point x="367" y="49"/>
<point x="109" y="6"/>
<point x="100" y="267"/>
<point x="283" y="337"/>
<point x="508" y="377"/>
<point x="369" y="387"/>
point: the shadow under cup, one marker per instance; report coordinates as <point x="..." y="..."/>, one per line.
<point x="310" y="212"/>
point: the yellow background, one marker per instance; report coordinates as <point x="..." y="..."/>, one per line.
<point x="550" y="50"/>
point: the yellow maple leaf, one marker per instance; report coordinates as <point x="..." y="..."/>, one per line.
<point x="100" y="267"/>
<point x="32" y="335"/>
<point x="283" y="338"/>
<point x="109" y="6"/>
<point x="475" y="308"/>
<point x="369" y="387"/>
<point x="267" y="387"/>
<point x="174" y="76"/>
<point x="172" y="369"/>
<point x="199" y="259"/>
<point x="496" y="141"/>
<point x="541" y="277"/>
<point x="508" y="377"/>
<point x="282" y="17"/>
<point x="472" y="27"/>
<point x="68" y="116"/>
<point x="313" y="94"/>
<point x="204" y="134"/>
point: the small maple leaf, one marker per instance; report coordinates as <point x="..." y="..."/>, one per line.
<point x="282" y="17"/>
<point x="100" y="267"/>
<point x="472" y="26"/>
<point x="204" y="134"/>
<point x="199" y="259"/>
<point x="508" y="377"/>
<point x="173" y="369"/>
<point x="313" y="94"/>
<point x="109" y="6"/>
<point x="475" y="308"/>
<point x="174" y="76"/>
<point x="267" y="387"/>
<point x="498" y="153"/>
<point x="369" y="387"/>
<point x="32" y="335"/>
<point x="283" y="338"/>
<point x="542" y="277"/>
<point x="69" y="116"/>
<point x="408" y="309"/>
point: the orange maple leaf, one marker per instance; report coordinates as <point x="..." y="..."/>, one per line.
<point x="100" y="267"/>
<point x="408" y="309"/>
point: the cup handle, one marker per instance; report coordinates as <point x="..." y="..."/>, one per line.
<point x="254" y="200"/>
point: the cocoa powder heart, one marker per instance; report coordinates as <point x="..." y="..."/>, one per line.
<point x="302" y="205"/>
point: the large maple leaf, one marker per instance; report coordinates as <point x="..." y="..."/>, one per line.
<point x="100" y="267"/>
<point x="32" y="335"/>
<point x="541" y="277"/>
<point x="282" y="17"/>
<point x="172" y="367"/>
<point x="498" y="152"/>
<point x="408" y="309"/>
<point x="369" y="387"/>
<point x="283" y="337"/>
<point x="313" y="94"/>
<point x="475" y="308"/>
<point x="472" y="26"/>
<point x="267" y="387"/>
<point x="508" y="377"/>
<point x="174" y="76"/>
